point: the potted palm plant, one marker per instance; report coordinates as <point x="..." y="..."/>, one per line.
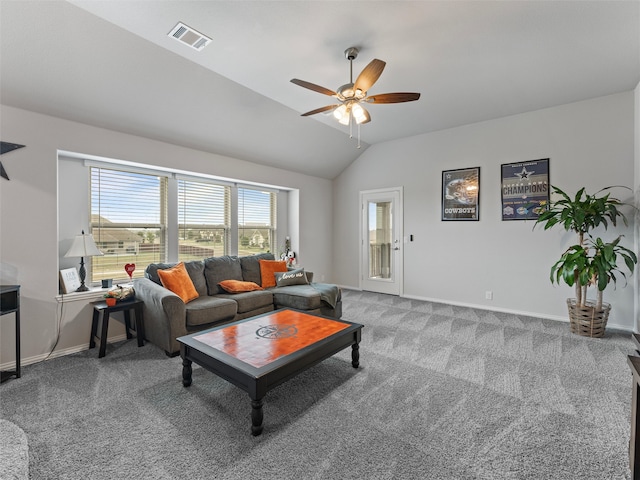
<point x="592" y="261"/>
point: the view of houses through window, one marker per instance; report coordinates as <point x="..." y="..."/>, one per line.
<point x="130" y="220"/>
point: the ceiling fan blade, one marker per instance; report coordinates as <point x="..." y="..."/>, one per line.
<point x="369" y="75"/>
<point x="320" y="110"/>
<point x="398" y="97"/>
<point x="314" y="87"/>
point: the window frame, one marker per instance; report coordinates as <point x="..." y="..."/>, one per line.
<point x="171" y="231"/>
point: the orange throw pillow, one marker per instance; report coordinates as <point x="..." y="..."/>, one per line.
<point x="178" y="281"/>
<point x="268" y="268"/>
<point x="238" y="286"/>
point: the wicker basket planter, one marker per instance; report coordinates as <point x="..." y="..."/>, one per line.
<point x="588" y="321"/>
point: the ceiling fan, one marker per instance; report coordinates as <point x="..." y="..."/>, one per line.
<point x="352" y="95"/>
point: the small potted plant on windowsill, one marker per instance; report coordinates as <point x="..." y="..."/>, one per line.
<point x="591" y="262"/>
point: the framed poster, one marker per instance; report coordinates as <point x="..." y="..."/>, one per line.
<point x="461" y="194"/>
<point x="525" y="189"/>
<point x="69" y="280"/>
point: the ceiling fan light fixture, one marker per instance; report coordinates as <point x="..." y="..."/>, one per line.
<point x="358" y="114"/>
<point x="348" y="92"/>
<point x="341" y="113"/>
<point x="351" y="94"/>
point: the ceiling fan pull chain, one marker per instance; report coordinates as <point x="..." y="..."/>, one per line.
<point x="358" y="136"/>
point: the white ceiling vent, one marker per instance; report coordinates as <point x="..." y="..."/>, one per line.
<point x="189" y="36"/>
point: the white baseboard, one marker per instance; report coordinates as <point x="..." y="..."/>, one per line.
<point x="564" y="319"/>
<point x="58" y="353"/>
<point x="119" y="338"/>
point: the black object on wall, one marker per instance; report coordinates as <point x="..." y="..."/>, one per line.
<point x="6" y="147"/>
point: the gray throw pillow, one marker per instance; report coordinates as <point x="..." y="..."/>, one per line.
<point x="251" y="267"/>
<point x="218" y="269"/>
<point x="292" y="277"/>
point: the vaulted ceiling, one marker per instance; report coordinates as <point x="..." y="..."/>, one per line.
<point x="113" y="65"/>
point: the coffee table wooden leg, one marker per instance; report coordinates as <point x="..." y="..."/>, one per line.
<point x="186" y="372"/>
<point x="355" y="355"/>
<point x="256" y="417"/>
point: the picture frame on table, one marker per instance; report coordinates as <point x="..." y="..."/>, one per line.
<point x="461" y="194"/>
<point x="525" y="189"/>
<point x="69" y="280"/>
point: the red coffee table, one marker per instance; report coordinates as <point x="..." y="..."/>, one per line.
<point x="261" y="352"/>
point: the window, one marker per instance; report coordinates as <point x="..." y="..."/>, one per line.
<point x="143" y="216"/>
<point x="256" y="221"/>
<point x="203" y="220"/>
<point x="128" y="221"/>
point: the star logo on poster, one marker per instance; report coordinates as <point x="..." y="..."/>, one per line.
<point x="524" y="174"/>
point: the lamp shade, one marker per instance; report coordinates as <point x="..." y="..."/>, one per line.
<point x="83" y="246"/>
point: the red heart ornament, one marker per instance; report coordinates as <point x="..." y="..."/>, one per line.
<point x="130" y="268"/>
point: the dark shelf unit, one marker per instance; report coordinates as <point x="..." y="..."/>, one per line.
<point x="10" y="303"/>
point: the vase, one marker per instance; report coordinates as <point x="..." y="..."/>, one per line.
<point x="588" y="321"/>
<point x="111" y="301"/>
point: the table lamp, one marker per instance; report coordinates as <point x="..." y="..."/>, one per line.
<point x="83" y="246"/>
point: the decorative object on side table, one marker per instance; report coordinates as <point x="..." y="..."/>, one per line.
<point x="592" y="261"/>
<point x="83" y="246"/>
<point x="118" y="294"/>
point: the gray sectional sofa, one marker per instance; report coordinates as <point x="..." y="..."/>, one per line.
<point x="167" y="317"/>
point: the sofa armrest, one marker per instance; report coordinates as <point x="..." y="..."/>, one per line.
<point x="164" y="314"/>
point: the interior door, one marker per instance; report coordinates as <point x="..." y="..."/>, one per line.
<point x="381" y="241"/>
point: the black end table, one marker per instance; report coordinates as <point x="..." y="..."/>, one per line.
<point x="124" y="306"/>
<point x="10" y="303"/>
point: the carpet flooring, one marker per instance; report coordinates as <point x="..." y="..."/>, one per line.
<point x="442" y="392"/>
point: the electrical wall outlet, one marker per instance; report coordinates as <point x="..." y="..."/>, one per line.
<point x="488" y="295"/>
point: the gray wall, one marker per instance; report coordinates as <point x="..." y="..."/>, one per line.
<point x="29" y="246"/>
<point x="590" y="143"/>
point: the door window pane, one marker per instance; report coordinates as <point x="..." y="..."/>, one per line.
<point x="380" y="233"/>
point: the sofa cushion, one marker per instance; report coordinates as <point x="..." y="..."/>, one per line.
<point x="177" y="280"/>
<point x="292" y="277"/>
<point x="268" y="269"/>
<point x="251" y="266"/>
<point x="249" y="301"/>
<point x="301" y="297"/>
<point x="195" y="269"/>
<point x="218" y="269"/>
<point x="239" y="286"/>
<point x="204" y="310"/>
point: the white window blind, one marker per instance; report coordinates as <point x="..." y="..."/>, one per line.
<point x="128" y="221"/>
<point x="203" y="220"/>
<point x="256" y="221"/>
